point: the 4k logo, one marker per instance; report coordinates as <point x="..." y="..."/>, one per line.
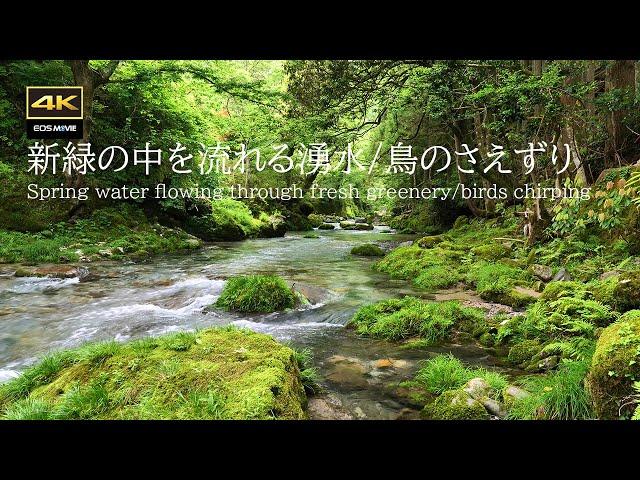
<point x="54" y="112"/>
<point x="61" y="103"/>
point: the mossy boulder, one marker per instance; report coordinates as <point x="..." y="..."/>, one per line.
<point x="348" y="225"/>
<point x="256" y="294"/>
<point x="543" y="272"/>
<point x="429" y="241"/>
<point x="627" y="291"/>
<point x="220" y="373"/>
<point x="615" y="366"/>
<point x="367" y="250"/>
<point x="327" y="226"/>
<point x="315" y="219"/>
<point x="363" y="226"/>
<point x="523" y="351"/>
<point x="398" y="319"/>
<point x="455" y="405"/>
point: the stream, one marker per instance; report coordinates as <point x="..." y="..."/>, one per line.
<point x="169" y="293"/>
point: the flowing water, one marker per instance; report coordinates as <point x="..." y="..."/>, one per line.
<point x="169" y="292"/>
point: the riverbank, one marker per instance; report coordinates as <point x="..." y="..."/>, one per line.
<point x="568" y="299"/>
<point x="107" y="234"/>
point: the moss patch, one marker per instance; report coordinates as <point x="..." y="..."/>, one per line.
<point x="411" y="317"/>
<point x="222" y="373"/>
<point x="256" y="293"/>
<point x="367" y="250"/>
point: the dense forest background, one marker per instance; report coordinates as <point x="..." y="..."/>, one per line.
<point x="590" y="105"/>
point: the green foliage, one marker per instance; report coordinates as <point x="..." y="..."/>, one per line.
<point x="315" y="219"/>
<point x="367" y="250"/>
<point x="442" y="373"/>
<point x="309" y="375"/>
<point x="233" y="220"/>
<point x="494" y="279"/>
<point x="256" y="293"/>
<point x="559" y="395"/>
<point x="226" y="373"/>
<point x="445" y="372"/>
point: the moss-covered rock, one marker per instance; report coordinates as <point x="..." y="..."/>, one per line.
<point x="615" y="366"/>
<point x="327" y="226"/>
<point x="222" y="373"/>
<point x="315" y="219"/>
<point x="455" y="405"/>
<point x="256" y="293"/>
<point x="429" y="241"/>
<point x="367" y="250"/>
<point x="627" y="291"/>
<point x="411" y="317"/>
<point x="523" y="351"/>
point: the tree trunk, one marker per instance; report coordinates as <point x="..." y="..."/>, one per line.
<point x="621" y="75"/>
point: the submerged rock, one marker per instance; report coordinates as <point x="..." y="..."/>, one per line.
<point x="52" y="271"/>
<point x="327" y="407"/>
<point x="347" y="372"/>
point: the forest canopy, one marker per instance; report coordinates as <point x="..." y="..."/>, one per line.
<point x="586" y="112"/>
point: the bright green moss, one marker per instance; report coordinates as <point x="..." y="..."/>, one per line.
<point x="315" y="219"/>
<point x="496" y="282"/>
<point x="491" y="252"/>
<point x="615" y="366"/>
<point x="555" y="290"/>
<point x="429" y="241"/>
<point x="396" y="319"/>
<point x="222" y="373"/>
<point x="121" y="232"/>
<point x="523" y="351"/>
<point x="367" y="250"/>
<point x="437" y="277"/>
<point x="256" y="293"/>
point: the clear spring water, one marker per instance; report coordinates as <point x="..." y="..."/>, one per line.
<point x="169" y="292"/>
